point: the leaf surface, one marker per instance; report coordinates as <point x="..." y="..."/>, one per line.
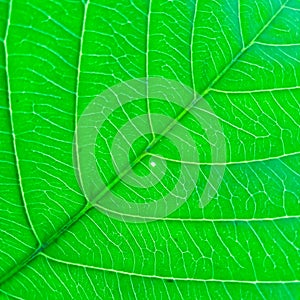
<point x="243" y="57"/>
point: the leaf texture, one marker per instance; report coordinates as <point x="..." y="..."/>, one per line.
<point x="243" y="57"/>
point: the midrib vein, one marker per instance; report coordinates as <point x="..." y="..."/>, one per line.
<point x="243" y="51"/>
<point x="89" y="206"/>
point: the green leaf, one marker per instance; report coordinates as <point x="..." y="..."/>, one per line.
<point x="243" y="57"/>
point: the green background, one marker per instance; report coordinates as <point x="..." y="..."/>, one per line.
<point x="243" y="56"/>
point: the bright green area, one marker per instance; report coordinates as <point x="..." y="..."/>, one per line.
<point x="243" y="56"/>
